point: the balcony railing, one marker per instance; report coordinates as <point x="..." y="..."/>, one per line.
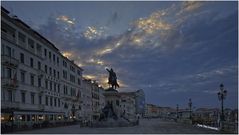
<point x="41" y="89"/>
<point x="41" y="107"/>
<point x="9" y="61"/>
<point x="40" y="73"/>
<point x="8" y="104"/>
<point x="67" y="97"/>
<point x="9" y="82"/>
<point x="8" y="37"/>
<point x="21" y="43"/>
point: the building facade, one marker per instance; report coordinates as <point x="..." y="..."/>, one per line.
<point x="139" y="102"/>
<point x="127" y="104"/>
<point x="151" y="110"/>
<point x="87" y="100"/>
<point x="38" y="82"/>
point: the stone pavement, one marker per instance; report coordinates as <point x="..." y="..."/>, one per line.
<point x="148" y="126"/>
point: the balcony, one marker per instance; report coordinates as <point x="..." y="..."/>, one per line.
<point x="8" y="37"/>
<point x="41" y="107"/>
<point x="8" y="104"/>
<point x="9" y="83"/>
<point x="67" y="97"/>
<point x="40" y="73"/>
<point x="9" y="61"/>
<point x="41" y="90"/>
<point x="75" y="98"/>
<point x="21" y="43"/>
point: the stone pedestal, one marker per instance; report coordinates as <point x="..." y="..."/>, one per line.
<point x="113" y="98"/>
<point x="111" y="114"/>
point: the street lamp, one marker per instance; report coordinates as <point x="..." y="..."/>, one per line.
<point x="190" y="108"/>
<point x="177" y="111"/>
<point x="222" y="96"/>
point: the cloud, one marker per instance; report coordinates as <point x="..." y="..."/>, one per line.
<point x="94" y="33"/>
<point x="164" y="53"/>
<point x="66" y="19"/>
<point x="189" y="6"/>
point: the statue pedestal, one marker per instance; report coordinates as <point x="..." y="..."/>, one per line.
<point x="112" y="98"/>
<point x="112" y="113"/>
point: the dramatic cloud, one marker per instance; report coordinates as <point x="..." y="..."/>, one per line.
<point x="182" y="50"/>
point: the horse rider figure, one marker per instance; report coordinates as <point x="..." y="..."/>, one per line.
<point x="112" y="80"/>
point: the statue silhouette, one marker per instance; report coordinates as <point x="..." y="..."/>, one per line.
<point x="112" y="80"/>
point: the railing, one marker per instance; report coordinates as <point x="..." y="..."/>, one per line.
<point x="67" y="97"/>
<point x="9" y="61"/>
<point x="21" y="43"/>
<point x="41" y="89"/>
<point x="40" y="73"/>
<point x="41" y="107"/>
<point x="8" y="104"/>
<point x="9" y="82"/>
<point x="7" y="37"/>
<point x="75" y="98"/>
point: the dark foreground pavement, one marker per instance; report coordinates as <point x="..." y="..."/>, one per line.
<point x="151" y="126"/>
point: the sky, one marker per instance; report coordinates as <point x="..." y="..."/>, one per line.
<point x="172" y="50"/>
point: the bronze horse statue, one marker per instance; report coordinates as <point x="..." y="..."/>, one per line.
<point x="112" y="80"/>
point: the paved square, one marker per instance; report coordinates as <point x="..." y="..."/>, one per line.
<point x="151" y="126"/>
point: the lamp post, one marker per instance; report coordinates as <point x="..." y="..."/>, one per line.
<point x="222" y="96"/>
<point x="177" y="112"/>
<point x="190" y="108"/>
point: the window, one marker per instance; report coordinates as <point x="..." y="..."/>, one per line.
<point x="39" y="49"/>
<point x="64" y="64"/>
<point x="39" y="65"/>
<point x="54" y="73"/>
<point x="55" y="87"/>
<point x="54" y="57"/>
<point x="72" y="78"/>
<point x="58" y="88"/>
<point x="22" y="57"/>
<point x="73" y="92"/>
<point x="72" y="68"/>
<point x="31" y="62"/>
<point x="57" y="60"/>
<point x="58" y="76"/>
<point x="51" y="101"/>
<point x="32" y="98"/>
<point x="64" y="74"/>
<point x="65" y="89"/>
<point x="21" y="37"/>
<point x="8" y="51"/>
<point x="79" y="81"/>
<point x="28" y="118"/>
<point x="40" y="97"/>
<point x="59" y="102"/>
<point x="32" y="79"/>
<point x="45" y="52"/>
<point x="49" y="55"/>
<point x="23" y="118"/>
<point x="54" y="101"/>
<point x="46" y="84"/>
<point x="39" y="82"/>
<point x="10" y="96"/>
<point x="31" y="43"/>
<point x="9" y="73"/>
<point x="50" y="70"/>
<point x="50" y="85"/>
<point x="23" y="95"/>
<point x="23" y="76"/>
<point x="46" y="68"/>
<point x="46" y="101"/>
